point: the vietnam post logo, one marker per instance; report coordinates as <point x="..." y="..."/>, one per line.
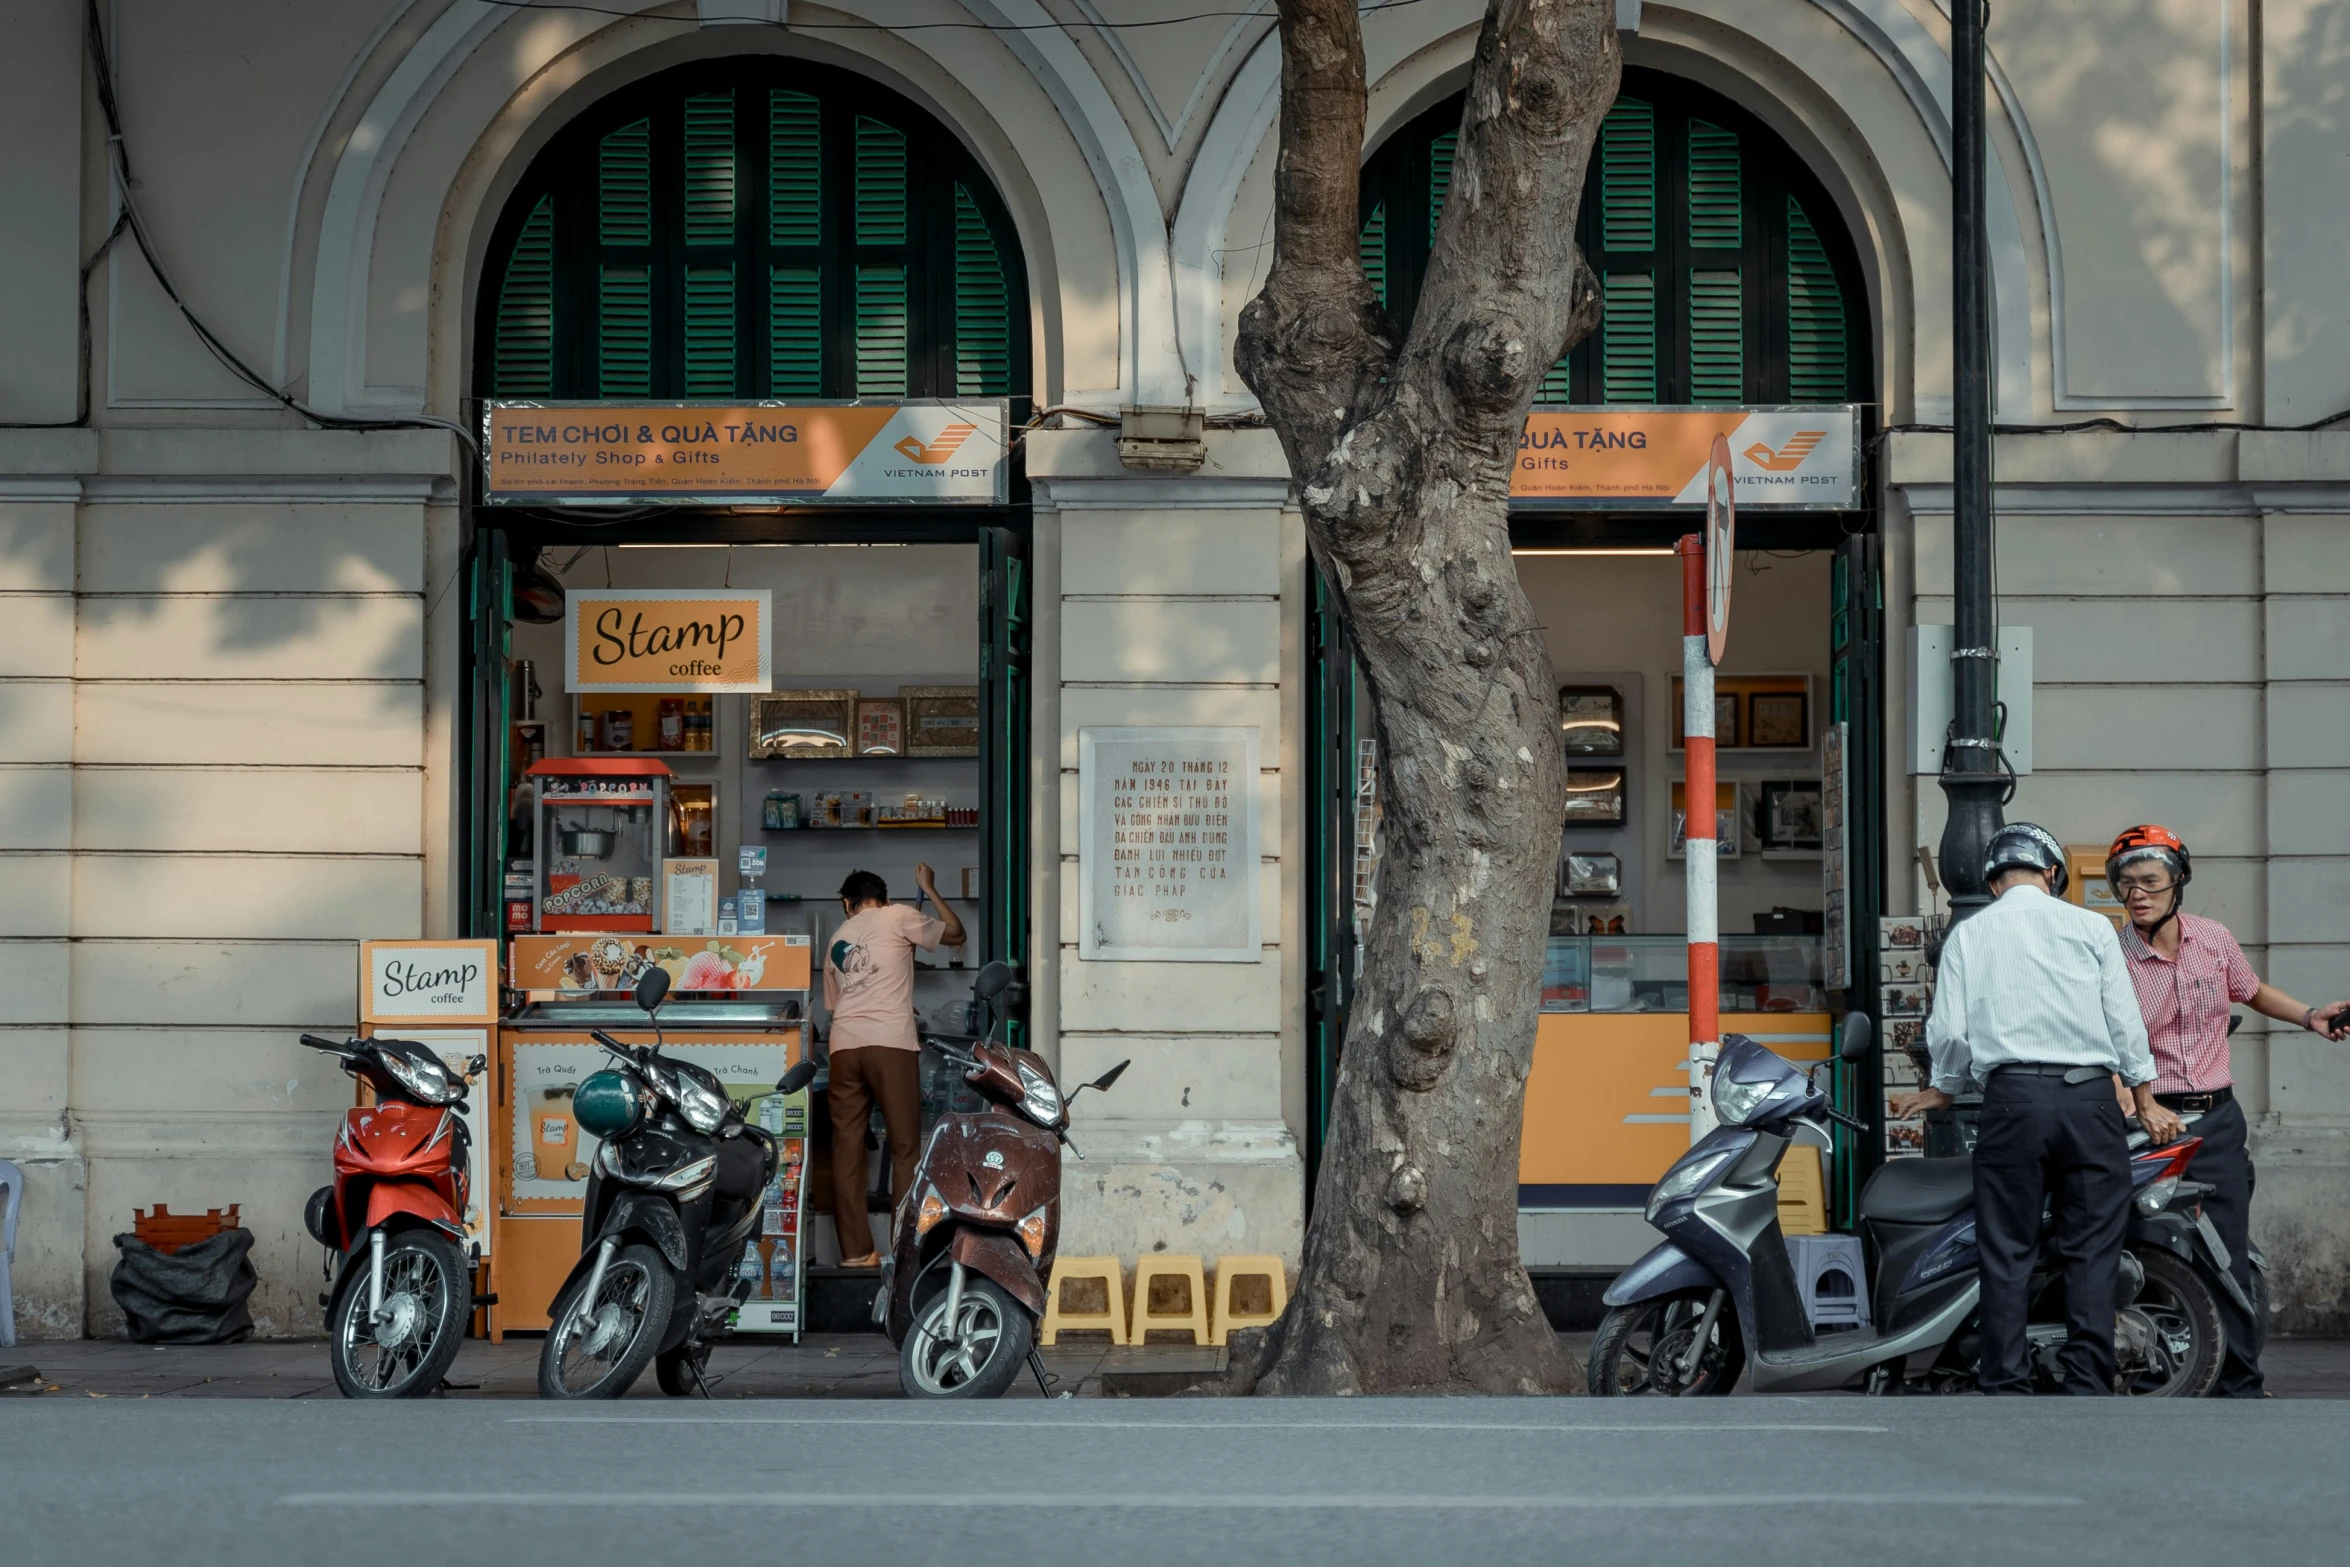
<point x="950" y="440"/>
<point x="1788" y="457"/>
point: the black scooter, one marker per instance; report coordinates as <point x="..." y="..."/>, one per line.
<point x="672" y="1199"/>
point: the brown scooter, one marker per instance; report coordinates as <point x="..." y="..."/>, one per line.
<point x="976" y="1231"/>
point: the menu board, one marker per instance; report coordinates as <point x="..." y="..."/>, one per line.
<point x="1168" y="857"/>
<point x="549" y="1153"/>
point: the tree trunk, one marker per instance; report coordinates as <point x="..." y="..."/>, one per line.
<point x="1411" y="1279"/>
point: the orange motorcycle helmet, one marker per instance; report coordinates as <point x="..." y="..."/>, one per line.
<point x="2150" y="841"/>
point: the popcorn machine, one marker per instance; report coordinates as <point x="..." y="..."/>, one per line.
<point x="599" y="830"/>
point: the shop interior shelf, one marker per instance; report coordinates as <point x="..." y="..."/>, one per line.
<point x="793" y="832"/>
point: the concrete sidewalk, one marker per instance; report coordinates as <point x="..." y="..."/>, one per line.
<point x="823" y="1366"/>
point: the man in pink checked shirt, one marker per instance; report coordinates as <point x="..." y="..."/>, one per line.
<point x="2188" y="972"/>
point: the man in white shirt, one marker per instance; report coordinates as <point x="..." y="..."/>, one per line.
<point x="2033" y="1000"/>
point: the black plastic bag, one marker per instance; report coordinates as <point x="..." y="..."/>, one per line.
<point x="193" y="1296"/>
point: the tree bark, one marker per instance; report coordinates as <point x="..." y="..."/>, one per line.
<point x="1403" y="445"/>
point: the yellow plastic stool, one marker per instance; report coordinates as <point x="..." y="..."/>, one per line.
<point x="1230" y="1268"/>
<point x="1193" y="1321"/>
<point x="1111" y="1317"/>
<point x="1803" y="1193"/>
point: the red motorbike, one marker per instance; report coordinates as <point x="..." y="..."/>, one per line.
<point x="393" y="1221"/>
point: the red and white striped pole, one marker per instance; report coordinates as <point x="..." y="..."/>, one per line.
<point x="1697" y="725"/>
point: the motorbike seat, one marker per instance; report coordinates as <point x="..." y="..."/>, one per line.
<point x="1919" y="1191"/>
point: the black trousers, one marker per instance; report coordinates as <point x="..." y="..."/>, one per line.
<point x="2223" y="1164"/>
<point x="2041" y="1138"/>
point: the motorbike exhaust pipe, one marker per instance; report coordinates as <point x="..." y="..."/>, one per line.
<point x="375" y="1276"/>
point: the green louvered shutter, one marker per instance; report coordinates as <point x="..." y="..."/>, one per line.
<point x="1627" y="177"/>
<point x="624" y="186"/>
<point x="795" y="332"/>
<point x="1440" y="156"/>
<point x="1714" y="204"/>
<point x="522" y="360"/>
<point x="709" y="169"/>
<point x="881" y="330"/>
<point x="1817" y="367"/>
<point x="1556" y="386"/>
<point x="709" y="331"/>
<point x="1371" y="246"/>
<point x="1717" y="337"/>
<point x="881" y="183"/>
<point x="983" y="312"/>
<point x="624" y="331"/>
<point x="1627" y="365"/>
<point x="795" y="169"/>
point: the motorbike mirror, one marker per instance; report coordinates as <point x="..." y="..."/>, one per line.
<point x="653" y="988"/>
<point x="797" y="1078"/>
<point x="993" y="981"/>
<point x="1852" y="1036"/>
<point x="1109" y="1077"/>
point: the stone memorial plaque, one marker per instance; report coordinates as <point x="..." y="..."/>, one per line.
<point x="1167" y="845"/>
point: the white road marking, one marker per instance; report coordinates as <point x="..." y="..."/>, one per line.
<point x="1183" y="1501"/>
<point x="890" y="1423"/>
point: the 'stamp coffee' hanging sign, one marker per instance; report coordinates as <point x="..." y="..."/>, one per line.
<point x="1167" y="865"/>
<point x="666" y="639"/>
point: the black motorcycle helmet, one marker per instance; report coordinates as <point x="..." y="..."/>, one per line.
<point x="2026" y="846"/>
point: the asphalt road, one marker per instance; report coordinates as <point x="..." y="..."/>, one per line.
<point x="1163" y="1482"/>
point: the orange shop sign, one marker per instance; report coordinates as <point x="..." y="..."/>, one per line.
<point x="666" y="639"/>
<point x="1803" y="458"/>
<point x="776" y="454"/>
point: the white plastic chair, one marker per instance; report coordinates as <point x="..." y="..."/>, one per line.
<point x="11" y="1199"/>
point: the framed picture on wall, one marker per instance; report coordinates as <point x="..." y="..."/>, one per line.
<point x="881" y="726"/>
<point x="1595" y="797"/>
<point x="1602" y="919"/>
<point x="1778" y="720"/>
<point x="802" y="723"/>
<point x="1794" y="813"/>
<point x="941" y="720"/>
<point x="1729" y="728"/>
<point x="1590" y="875"/>
<point x="1726" y="835"/>
<point x="1591" y="720"/>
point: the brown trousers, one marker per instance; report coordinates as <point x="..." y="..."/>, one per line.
<point x="860" y="1078"/>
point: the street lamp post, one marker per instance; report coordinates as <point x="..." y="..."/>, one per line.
<point x="1972" y="780"/>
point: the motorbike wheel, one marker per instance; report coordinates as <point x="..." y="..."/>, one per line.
<point x="991" y="1343"/>
<point x="675" y="1369"/>
<point x="1639" y="1348"/>
<point x="2178" y="1345"/>
<point x="598" y="1349"/>
<point x="427" y="1296"/>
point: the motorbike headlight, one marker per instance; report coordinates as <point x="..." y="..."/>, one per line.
<point x="1040" y="1101"/>
<point x="1691" y="1175"/>
<point x="2155" y="1196"/>
<point x="425" y="1077"/>
<point x="1735" y="1101"/>
<point x="703" y="1109"/>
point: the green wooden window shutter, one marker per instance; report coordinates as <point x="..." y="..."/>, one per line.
<point x="1371" y="247"/>
<point x="1627" y="364"/>
<point x="624" y="331"/>
<point x="1817" y="367"/>
<point x="881" y="183"/>
<point x="881" y="331"/>
<point x="709" y="331"/>
<point x="709" y="169"/>
<point x="983" y="315"/>
<point x="1440" y="156"/>
<point x="1556" y="387"/>
<point x="795" y="169"/>
<point x="1717" y="337"/>
<point x="795" y="332"/>
<point x="1627" y="177"/>
<point x="624" y="186"/>
<point x="523" y="356"/>
<point x="1714" y="206"/>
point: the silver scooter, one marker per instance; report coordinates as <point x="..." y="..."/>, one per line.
<point x="1720" y="1295"/>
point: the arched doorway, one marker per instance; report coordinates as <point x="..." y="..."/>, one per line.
<point x="753" y="228"/>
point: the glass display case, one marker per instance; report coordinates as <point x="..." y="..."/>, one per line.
<point x="1651" y="974"/>
<point x="600" y="826"/>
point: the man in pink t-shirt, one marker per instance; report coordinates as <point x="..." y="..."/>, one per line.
<point x="876" y="1056"/>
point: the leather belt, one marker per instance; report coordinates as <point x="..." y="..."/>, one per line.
<point x="2201" y="1104"/>
<point x="2071" y="1074"/>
